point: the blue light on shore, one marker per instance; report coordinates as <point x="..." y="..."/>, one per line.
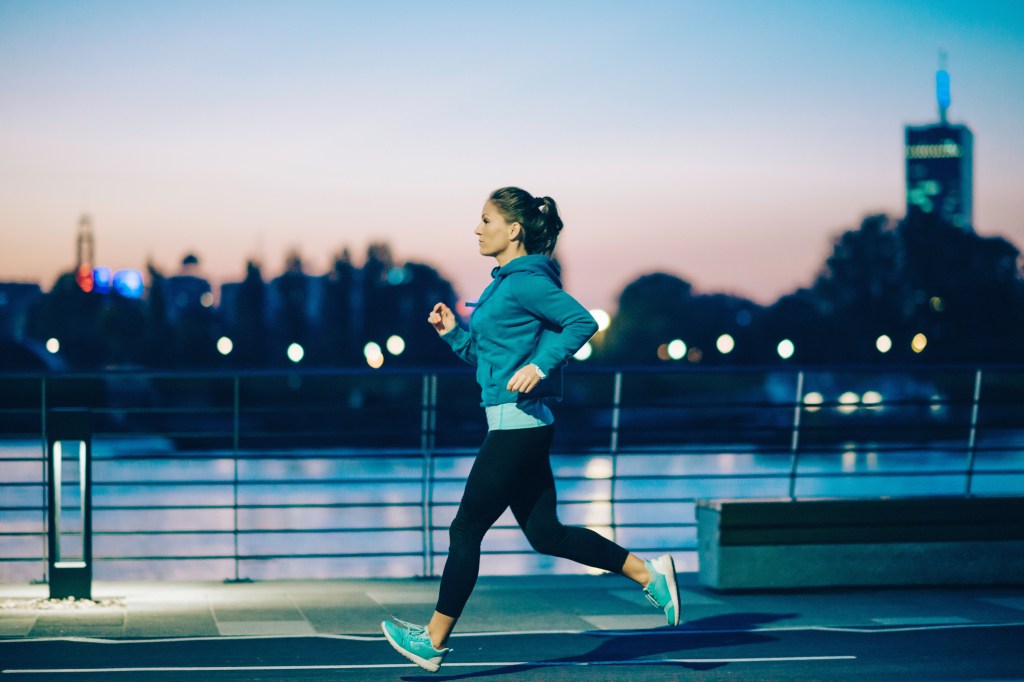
<point x="128" y="283"/>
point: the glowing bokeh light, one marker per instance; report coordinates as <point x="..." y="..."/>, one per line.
<point x="295" y="352"/>
<point x="848" y="402"/>
<point x="602" y="318"/>
<point x="918" y="343"/>
<point x="883" y="344"/>
<point x="128" y="283"/>
<point x="813" y="401"/>
<point x="102" y="279"/>
<point x="585" y="352"/>
<point x="725" y="344"/>
<point x="785" y="349"/>
<point x="53" y="345"/>
<point x="599" y="467"/>
<point x="395" y="344"/>
<point x="225" y="346"/>
<point x="676" y="349"/>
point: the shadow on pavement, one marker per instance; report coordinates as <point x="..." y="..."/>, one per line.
<point x="714" y="632"/>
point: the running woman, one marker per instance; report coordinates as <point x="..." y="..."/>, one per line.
<point x="523" y="330"/>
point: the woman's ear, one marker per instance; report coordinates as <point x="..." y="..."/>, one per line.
<point x="515" y="232"/>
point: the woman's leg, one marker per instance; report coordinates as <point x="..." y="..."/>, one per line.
<point x="535" y="507"/>
<point x="496" y="473"/>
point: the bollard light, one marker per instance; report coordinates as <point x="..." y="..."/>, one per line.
<point x="69" y="503"/>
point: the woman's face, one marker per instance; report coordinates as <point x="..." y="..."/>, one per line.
<point x="496" y="235"/>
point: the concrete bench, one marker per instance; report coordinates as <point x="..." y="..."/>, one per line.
<point x="765" y="544"/>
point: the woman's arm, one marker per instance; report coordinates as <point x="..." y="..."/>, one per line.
<point x="443" y="320"/>
<point x="545" y="300"/>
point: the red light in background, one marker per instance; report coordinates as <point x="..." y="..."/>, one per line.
<point x="84" y="278"/>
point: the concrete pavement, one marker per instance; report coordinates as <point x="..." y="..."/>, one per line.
<point x="552" y="622"/>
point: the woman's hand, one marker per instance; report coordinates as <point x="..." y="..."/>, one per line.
<point x="525" y="380"/>
<point x="442" y="318"/>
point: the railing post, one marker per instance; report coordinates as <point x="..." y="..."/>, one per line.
<point x="613" y="446"/>
<point x="428" y="428"/>
<point x="46" y="481"/>
<point x="794" y="446"/>
<point x="972" y="438"/>
<point x="234" y="456"/>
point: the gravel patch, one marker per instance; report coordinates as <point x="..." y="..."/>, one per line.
<point x="68" y="604"/>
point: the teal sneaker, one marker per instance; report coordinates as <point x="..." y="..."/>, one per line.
<point x="662" y="591"/>
<point x="412" y="642"/>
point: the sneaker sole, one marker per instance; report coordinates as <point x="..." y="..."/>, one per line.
<point x="418" y="660"/>
<point x="673" y="589"/>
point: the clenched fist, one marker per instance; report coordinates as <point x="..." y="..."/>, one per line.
<point x="442" y="318"/>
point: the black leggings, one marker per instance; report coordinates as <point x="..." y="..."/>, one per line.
<point x="512" y="469"/>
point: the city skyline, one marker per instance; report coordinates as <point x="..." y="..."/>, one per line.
<point x="726" y="144"/>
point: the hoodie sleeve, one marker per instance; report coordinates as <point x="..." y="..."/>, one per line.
<point x="461" y="342"/>
<point x="545" y="300"/>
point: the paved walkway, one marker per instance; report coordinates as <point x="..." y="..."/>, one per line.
<point x="565" y="615"/>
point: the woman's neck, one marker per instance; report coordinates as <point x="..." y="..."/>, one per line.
<point x="509" y="255"/>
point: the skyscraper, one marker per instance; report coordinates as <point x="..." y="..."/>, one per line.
<point x="940" y="159"/>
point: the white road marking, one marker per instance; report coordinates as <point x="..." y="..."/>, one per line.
<point x="481" y="664"/>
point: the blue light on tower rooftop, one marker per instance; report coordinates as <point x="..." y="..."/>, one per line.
<point x="942" y="92"/>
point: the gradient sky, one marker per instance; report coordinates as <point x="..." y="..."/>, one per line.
<point x="725" y="142"/>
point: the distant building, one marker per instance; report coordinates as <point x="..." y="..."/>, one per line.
<point x="16" y="300"/>
<point x="187" y="291"/>
<point x="940" y="161"/>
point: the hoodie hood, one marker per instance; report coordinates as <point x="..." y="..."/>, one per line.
<point x="533" y="263"/>
<point x="536" y="263"/>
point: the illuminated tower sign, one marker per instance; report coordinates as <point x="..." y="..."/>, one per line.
<point x="940" y="159"/>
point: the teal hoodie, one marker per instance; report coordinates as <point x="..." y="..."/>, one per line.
<point x="522" y="317"/>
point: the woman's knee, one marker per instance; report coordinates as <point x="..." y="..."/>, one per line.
<point x="464" y="534"/>
<point x="546" y="538"/>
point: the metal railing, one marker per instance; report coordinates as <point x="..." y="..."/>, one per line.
<point x="358" y="473"/>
